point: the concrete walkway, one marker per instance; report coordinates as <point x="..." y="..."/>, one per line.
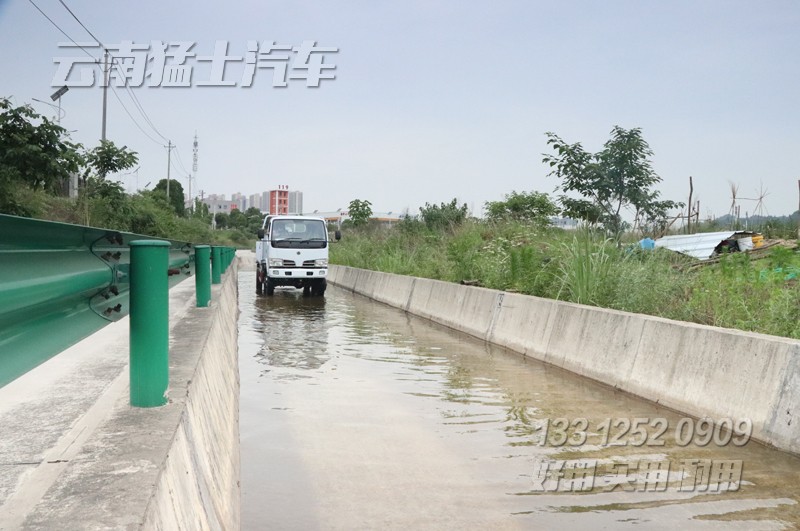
<point x="73" y="453"/>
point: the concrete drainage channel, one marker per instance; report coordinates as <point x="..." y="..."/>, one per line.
<point x="703" y="371"/>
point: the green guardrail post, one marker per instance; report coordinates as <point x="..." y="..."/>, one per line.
<point x="216" y="264"/>
<point x="149" y="322"/>
<point x="202" y="274"/>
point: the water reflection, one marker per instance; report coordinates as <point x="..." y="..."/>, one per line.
<point x="294" y="329"/>
<point x="488" y="407"/>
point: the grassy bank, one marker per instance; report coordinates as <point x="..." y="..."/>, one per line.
<point x="586" y="268"/>
<point x="139" y="213"/>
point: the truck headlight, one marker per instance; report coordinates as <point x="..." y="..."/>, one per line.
<point x="276" y="262"/>
<point x="321" y="262"/>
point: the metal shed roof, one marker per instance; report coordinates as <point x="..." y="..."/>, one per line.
<point x="701" y="245"/>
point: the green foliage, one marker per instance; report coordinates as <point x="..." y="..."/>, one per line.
<point x="620" y="176"/>
<point x="585" y="272"/>
<point x="254" y="220"/>
<point x="532" y="207"/>
<point x="359" y="212"/>
<point x="237" y="219"/>
<point x="200" y="211"/>
<point x="222" y="220"/>
<point x="175" y="194"/>
<point x="443" y="216"/>
<point x="107" y="203"/>
<point x="586" y="267"/>
<point x="36" y="161"/>
<point x="741" y="297"/>
<point x="107" y="158"/>
<point x="34" y="155"/>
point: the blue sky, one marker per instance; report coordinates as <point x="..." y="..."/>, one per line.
<point x="435" y="100"/>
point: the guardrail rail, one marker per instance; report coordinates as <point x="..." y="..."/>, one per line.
<point x="59" y="283"/>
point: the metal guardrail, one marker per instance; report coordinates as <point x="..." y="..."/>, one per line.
<point x="60" y="283"/>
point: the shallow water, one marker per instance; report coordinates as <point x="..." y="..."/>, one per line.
<point x="357" y="415"/>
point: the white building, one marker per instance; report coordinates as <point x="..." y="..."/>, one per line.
<point x="295" y="202"/>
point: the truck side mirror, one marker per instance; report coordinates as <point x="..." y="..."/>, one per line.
<point x="260" y="234"/>
<point x="337" y="235"/>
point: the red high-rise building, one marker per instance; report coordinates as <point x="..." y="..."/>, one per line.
<point x="279" y="200"/>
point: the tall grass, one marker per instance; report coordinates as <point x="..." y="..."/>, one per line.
<point x="585" y="271"/>
<point x="587" y="268"/>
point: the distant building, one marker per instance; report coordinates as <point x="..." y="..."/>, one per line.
<point x="279" y="200"/>
<point x="284" y="201"/>
<point x="254" y="201"/>
<point x="240" y="201"/>
<point x="564" y="223"/>
<point x="385" y="219"/>
<point x="219" y="206"/>
<point x="295" y="203"/>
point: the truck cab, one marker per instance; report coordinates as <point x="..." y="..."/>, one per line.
<point x="292" y="251"/>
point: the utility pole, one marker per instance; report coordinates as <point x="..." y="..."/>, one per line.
<point x="194" y="170"/>
<point x="169" y="163"/>
<point x="689" y="218"/>
<point x="105" y="94"/>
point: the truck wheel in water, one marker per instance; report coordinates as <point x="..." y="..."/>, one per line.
<point x="319" y="288"/>
<point x="259" y="283"/>
<point x="269" y="288"/>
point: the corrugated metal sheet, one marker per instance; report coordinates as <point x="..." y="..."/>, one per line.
<point x="700" y="246"/>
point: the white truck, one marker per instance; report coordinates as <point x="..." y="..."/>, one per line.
<point x="292" y="251"/>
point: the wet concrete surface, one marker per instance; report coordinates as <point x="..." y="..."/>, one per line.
<point x="355" y="415"/>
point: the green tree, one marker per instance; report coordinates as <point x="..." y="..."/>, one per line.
<point x="620" y="176"/>
<point x="237" y="219"/>
<point x="531" y="207"/>
<point x="104" y="202"/>
<point x="254" y="219"/>
<point x="443" y="216"/>
<point x="221" y="219"/>
<point x="107" y="158"/>
<point x="201" y="211"/>
<point x="359" y="212"/>
<point x="108" y="205"/>
<point x="175" y="194"/>
<point x="34" y="154"/>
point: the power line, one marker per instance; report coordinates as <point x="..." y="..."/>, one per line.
<point x="81" y="23"/>
<point x="114" y="90"/>
<point x="180" y="162"/>
<point x="115" y="63"/>
<point x="64" y="33"/>
<point x="135" y="99"/>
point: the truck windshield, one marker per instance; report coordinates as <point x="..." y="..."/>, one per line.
<point x="299" y="234"/>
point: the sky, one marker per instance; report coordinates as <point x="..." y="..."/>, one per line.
<point x="440" y="99"/>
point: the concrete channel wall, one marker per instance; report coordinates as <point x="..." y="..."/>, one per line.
<point x="75" y="455"/>
<point x="198" y="487"/>
<point x="699" y="370"/>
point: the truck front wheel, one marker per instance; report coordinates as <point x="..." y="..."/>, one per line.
<point x="319" y="288"/>
<point x="269" y="288"/>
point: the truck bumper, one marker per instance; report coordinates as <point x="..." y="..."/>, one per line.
<point x="290" y="275"/>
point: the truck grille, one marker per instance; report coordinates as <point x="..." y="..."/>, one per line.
<point x="292" y="263"/>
